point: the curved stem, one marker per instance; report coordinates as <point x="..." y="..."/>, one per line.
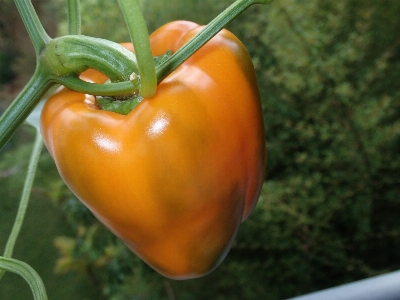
<point x="204" y="36"/>
<point x="108" y="89"/>
<point x="38" y="35"/>
<point x="27" y="273"/>
<point x="30" y="176"/>
<point x="73" y="54"/>
<point x="141" y="43"/>
<point x="25" y="102"/>
<point x="74" y="17"/>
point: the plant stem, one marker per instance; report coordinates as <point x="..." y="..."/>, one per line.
<point x="22" y="106"/>
<point x="37" y="149"/>
<point x="140" y="38"/>
<point x="38" y="35"/>
<point x="27" y="273"/>
<point x="204" y="36"/>
<point x="73" y="54"/>
<point x="109" y="89"/>
<point x="74" y="17"/>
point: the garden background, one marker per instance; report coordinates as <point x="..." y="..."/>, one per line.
<point x="329" y="212"/>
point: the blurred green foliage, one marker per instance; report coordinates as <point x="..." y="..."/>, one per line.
<point x="329" y="211"/>
<point x="6" y="73"/>
<point x="44" y="221"/>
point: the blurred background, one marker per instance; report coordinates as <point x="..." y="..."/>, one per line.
<point x="329" y="76"/>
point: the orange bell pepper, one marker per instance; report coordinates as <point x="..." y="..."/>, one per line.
<point x="175" y="177"/>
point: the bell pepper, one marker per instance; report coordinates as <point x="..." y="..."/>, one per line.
<point x="175" y="177"/>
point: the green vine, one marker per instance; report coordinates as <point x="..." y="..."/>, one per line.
<point x="27" y="273"/>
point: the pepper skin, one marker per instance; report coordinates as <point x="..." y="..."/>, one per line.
<point x="175" y="177"/>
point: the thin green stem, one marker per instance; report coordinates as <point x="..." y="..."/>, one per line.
<point x="204" y="36"/>
<point x="27" y="273"/>
<point x="30" y="176"/>
<point x="107" y="89"/>
<point x="33" y="25"/>
<point x="141" y="43"/>
<point x="74" y="17"/>
<point x="22" y="106"/>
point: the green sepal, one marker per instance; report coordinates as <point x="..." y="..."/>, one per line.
<point x="122" y="107"/>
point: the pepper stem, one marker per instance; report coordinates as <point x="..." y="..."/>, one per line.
<point x="204" y="36"/>
<point x="96" y="89"/>
<point x="73" y="54"/>
<point x="74" y="17"/>
<point x="140" y="38"/>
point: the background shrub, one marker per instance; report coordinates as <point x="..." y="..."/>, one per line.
<point x="328" y="214"/>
